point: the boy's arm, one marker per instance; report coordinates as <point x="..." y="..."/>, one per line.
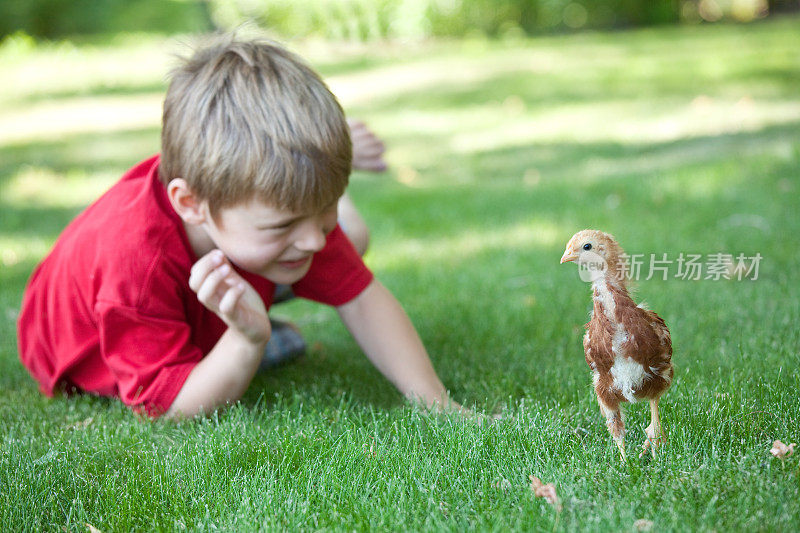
<point x="221" y="377"/>
<point x="224" y="374"/>
<point x="383" y="330"/>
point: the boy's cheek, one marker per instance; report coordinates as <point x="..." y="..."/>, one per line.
<point x="252" y="261"/>
<point x="250" y="264"/>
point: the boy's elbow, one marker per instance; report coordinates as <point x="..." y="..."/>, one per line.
<point x="176" y="413"/>
<point x="360" y="239"/>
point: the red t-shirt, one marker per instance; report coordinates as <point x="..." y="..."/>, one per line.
<point x="110" y="310"/>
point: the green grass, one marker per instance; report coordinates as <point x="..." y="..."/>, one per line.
<point x="675" y="140"/>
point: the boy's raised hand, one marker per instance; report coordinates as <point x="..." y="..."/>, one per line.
<point x="230" y="297"/>
<point x="368" y="149"/>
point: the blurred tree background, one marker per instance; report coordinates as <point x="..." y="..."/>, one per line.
<point x="366" y="20"/>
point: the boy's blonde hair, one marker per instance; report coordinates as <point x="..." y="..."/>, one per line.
<point x="248" y="120"/>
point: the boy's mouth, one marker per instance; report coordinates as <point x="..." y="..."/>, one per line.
<point x="294" y="264"/>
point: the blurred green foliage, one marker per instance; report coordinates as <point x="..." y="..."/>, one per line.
<point x="359" y="19"/>
<point x="371" y="19"/>
<point x="61" y="18"/>
<point x="368" y="19"/>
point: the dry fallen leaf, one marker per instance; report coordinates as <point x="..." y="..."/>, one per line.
<point x="548" y="492"/>
<point x="643" y="525"/>
<point x="92" y="529"/>
<point x="780" y="450"/>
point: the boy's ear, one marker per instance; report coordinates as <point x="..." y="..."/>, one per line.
<point x="185" y="202"/>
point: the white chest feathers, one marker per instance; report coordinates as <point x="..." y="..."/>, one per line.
<point x="628" y="376"/>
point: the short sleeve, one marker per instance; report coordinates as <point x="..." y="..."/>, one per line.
<point x="150" y="357"/>
<point x="337" y="273"/>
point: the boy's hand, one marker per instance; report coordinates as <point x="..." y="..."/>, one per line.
<point x="230" y="297"/>
<point x="368" y="149"/>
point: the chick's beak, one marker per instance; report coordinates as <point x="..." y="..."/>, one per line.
<point x="568" y="256"/>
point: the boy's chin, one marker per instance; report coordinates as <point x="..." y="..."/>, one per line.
<point x="284" y="276"/>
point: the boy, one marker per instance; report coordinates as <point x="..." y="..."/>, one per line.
<point x="158" y="292"/>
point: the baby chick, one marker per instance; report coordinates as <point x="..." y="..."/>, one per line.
<point x="627" y="347"/>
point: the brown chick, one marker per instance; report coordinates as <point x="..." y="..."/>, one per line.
<point x="627" y="347"/>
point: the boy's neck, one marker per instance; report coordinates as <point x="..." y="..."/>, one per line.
<point x="199" y="240"/>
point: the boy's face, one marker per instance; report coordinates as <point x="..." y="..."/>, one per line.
<point x="275" y="243"/>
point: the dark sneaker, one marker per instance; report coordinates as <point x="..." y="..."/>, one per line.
<point x="286" y="344"/>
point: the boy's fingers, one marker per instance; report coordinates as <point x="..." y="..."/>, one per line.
<point x="227" y="305"/>
<point x="210" y="284"/>
<point x="202" y="268"/>
<point x="372" y="146"/>
<point x="368" y="149"/>
<point x="371" y="165"/>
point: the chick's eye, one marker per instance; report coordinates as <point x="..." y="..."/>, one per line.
<point x="587" y="246"/>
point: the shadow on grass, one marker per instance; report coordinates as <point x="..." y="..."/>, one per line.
<point x="541" y="92"/>
<point x="91" y="152"/>
<point x="26" y="223"/>
<point x="692" y="183"/>
<point x="54" y="96"/>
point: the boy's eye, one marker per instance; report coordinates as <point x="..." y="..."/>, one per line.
<point x="278" y="227"/>
<point x="274" y="229"/>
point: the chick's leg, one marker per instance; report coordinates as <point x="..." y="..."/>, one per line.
<point x="655" y="437"/>
<point x="616" y="426"/>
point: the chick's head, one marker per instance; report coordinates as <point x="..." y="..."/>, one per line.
<point x="596" y="251"/>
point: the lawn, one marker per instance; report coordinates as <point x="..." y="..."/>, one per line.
<point x="676" y="140"/>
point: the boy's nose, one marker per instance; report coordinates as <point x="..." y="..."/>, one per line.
<point x="312" y="239"/>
